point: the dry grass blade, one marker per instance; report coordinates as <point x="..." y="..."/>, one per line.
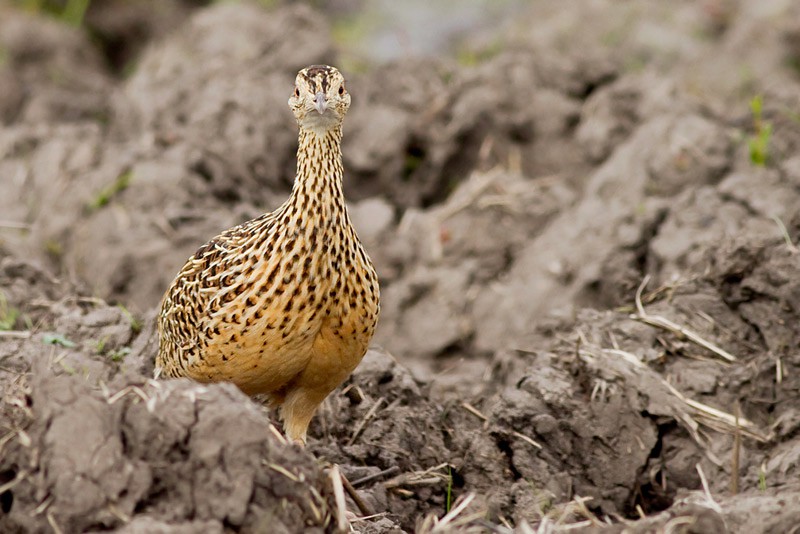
<point x="666" y="324"/>
<point x="6" y="438"/>
<point x="362" y="506"/>
<point x="564" y="517"/>
<point x="369" y="478"/>
<point x="361" y="424"/>
<point x="136" y="390"/>
<point x="277" y="434"/>
<point x="526" y="439"/>
<point x="283" y="471"/>
<point x="709" y="499"/>
<point x="785" y="234"/>
<point x="419" y="478"/>
<point x="24" y="438"/>
<point x="320" y="512"/>
<point x="43" y="505"/>
<point x="368" y="517"/>
<point x="474" y="411"/>
<point x="52" y="521"/>
<point x="19" y="334"/>
<point x="689" y="413"/>
<point x="580" y="503"/>
<point x="13" y="482"/>
<point x="675" y="524"/>
<point x="448" y="518"/>
<point x="315" y="511"/>
<point x="469" y="196"/>
<point x="719" y="419"/>
<point x="338" y="494"/>
<point x="14" y="225"/>
<point x="735" y="454"/>
<point x="119" y="514"/>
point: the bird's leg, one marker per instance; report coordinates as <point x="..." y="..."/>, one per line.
<point x="297" y="411"/>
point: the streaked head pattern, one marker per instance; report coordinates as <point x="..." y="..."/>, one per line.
<point x="320" y="100"/>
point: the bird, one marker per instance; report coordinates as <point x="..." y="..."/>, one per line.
<point x="286" y="304"/>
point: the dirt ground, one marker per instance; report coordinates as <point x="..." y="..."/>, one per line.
<point x="585" y="222"/>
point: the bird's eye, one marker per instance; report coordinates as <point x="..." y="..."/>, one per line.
<point x="341" y="90"/>
<point x="296" y="92"/>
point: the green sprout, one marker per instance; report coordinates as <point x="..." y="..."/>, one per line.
<point x="54" y="338"/>
<point x="759" y="142"/>
<point x="100" y="345"/>
<point x="74" y="12"/>
<point x="118" y="355"/>
<point x="53" y="248"/>
<point x="8" y="314"/>
<point x="136" y="324"/>
<point x="70" y="12"/>
<point x="105" y="195"/>
<point x="449" y="495"/>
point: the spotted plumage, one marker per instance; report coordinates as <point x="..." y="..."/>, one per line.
<point x="284" y="304"/>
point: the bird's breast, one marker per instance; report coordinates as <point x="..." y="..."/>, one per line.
<point x="275" y="316"/>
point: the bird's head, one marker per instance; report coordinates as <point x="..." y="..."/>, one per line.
<point x="319" y="101"/>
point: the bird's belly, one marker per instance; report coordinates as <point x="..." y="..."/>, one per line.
<point x="345" y="339"/>
<point x="337" y="350"/>
<point x="258" y="360"/>
<point x="264" y="360"/>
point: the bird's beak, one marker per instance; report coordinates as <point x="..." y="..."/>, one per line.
<point x="320" y="102"/>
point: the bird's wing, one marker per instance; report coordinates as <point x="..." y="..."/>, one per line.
<point x="198" y="290"/>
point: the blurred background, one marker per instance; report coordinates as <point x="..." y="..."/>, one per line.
<point x="365" y="32"/>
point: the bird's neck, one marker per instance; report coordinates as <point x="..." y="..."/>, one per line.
<point x="317" y="191"/>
